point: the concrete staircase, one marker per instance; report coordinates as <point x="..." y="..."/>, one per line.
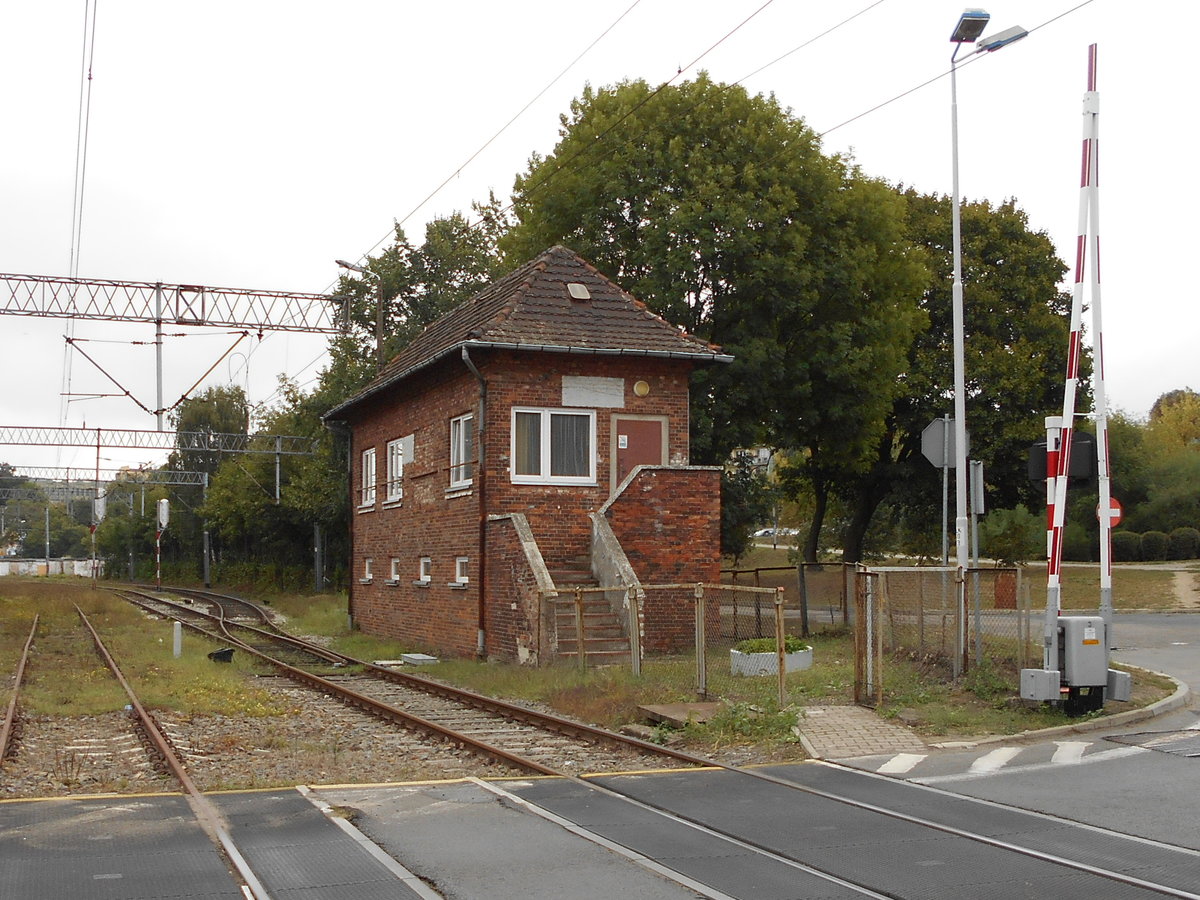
<point x="604" y="640"/>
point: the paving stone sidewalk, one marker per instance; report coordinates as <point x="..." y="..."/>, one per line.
<point x="841" y="732"/>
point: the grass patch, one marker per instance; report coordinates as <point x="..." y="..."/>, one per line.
<point x="324" y="616"/>
<point x="67" y="677"/>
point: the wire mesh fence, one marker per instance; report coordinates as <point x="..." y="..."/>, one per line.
<point x="817" y="594"/>
<point x="697" y="633"/>
<point x="696" y="628"/>
<point x="916" y="613"/>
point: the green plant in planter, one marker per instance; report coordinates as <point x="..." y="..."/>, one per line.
<point x="791" y="644"/>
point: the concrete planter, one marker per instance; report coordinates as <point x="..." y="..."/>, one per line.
<point x="766" y="663"/>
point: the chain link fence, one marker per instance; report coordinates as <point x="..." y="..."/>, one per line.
<point x="689" y="633"/>
<point x="915" y="613"/>
<point x="817" y="595"/>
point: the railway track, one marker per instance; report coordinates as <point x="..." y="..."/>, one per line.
<point x="12" y="709"/>
<point x="471" y="717"/>
<point x="526" y="740"/>
<point x="904" y="813"/>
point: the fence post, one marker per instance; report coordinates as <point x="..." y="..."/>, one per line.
<point x="635" y="631"/>
<point x="701" y="655"/>
<point x="780" y="650"/>
<point x="580" y="650"/>
<point x="802" y="583"/>
<point x="757" y="605"/>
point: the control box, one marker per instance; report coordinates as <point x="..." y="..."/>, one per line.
<point x="1082" y="651"/>
<point x="1039" y="684"/>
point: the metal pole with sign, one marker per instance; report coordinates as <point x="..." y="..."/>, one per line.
<point x="164" y="515"/>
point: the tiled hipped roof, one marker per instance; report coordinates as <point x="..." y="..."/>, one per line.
<point x="532" y="309"/>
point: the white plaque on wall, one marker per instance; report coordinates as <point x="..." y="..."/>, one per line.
<point x="594" y="391"/>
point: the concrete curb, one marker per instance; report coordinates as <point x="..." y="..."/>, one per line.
<point x="1177" y="700"/>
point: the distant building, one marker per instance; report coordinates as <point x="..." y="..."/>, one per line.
<point x="535" y="436"/>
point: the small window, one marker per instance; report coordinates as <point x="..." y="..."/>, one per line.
<point x="367" y="577"/>
<point x="368" y="478"/>
<point x="460" y="570"/>
<point x="462" y="451"/>
<point x="553" y="446"/>
<point x="426" y="570"/>
<point x="395" y="574"/>
<point x="399" y="452"/>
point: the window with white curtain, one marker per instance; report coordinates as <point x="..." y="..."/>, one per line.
<point x="368" y="478"/>
<point x="462" y="450"/>
<point x="553" y="446"/>
<point x="399" y="452"/>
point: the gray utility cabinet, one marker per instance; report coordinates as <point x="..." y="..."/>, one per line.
<point x="1082" y="651"/>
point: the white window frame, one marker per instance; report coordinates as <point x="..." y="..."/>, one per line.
<point x="461" y="575"/>
<point x="367" y="496"/>
<point x="425" y="570"/>
<point x="367" y="576"/>
<point x="399" y="452"/>
<point x="462" y="462"/>
<point x="544" y="476"/>
<point x="395" y="573"/>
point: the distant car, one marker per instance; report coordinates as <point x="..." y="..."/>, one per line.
<point x="765" y="532"/>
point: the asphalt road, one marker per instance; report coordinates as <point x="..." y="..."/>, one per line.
<point x="1149" y="794"/>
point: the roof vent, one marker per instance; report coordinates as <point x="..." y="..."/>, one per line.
<point x="578" y="291"/>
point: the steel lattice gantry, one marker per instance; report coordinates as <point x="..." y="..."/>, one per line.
<point x="211" y="442"/>
<point x="155" y="303"/>
<point x="133" y="477"/>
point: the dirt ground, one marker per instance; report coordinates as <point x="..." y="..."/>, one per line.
<point x="1187" y="590"/>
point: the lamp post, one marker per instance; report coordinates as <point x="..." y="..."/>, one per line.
<point x="968" y="30"/>
<point x="362" y="270"/>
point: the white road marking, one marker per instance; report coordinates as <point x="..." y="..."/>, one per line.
<point x="1068" y="752"/>
<point x="1102" y="756"/>
<point x="994" y="761"/>
<point x="901" y="763"/>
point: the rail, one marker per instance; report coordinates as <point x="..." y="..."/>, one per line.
<point x="10" y="712"/>
<point x="204" y="810"/>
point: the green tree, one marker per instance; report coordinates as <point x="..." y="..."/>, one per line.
<point x="68" y="537"/>
<point x="419" y="284"/>
<point x="747" y="498"/>
<point x="1016" y="329"/>
<point x="719" y="210"/>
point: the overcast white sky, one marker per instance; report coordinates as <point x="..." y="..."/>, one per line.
<point x="247" y="143"/>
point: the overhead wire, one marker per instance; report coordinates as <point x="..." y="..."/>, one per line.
<point x="489" y="141"/>
<point x="503" y="128"/>
<point x="82" y="127"/>
<point x="821" y="134"/>
<point x="966" y="62"/>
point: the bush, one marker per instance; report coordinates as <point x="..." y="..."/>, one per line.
<point x="1154" y="546"/>
<point x="1183" y="543"/>
<point x="791" y="644"/>
<point x="1126" y="546"/>
<point x="1013" y="536"/>
<point x="1078" y="545"/>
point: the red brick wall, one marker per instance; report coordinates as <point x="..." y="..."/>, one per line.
<point x="668" y="521"/>
<point x="513" y="627"/>
<point x="558" y="513"/>
<point x="429" y="521"/>
<point x="444" y="525"/>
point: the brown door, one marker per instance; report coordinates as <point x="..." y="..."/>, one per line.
<point x="638" y="442"/>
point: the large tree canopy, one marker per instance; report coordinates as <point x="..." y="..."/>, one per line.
<point x="1016" y="328"/>
<point x="719" y="210"/>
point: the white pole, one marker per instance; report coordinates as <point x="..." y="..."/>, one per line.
<point x="960" y="398"/>
<point x="1091" y="188"/>
<point x="158" y="348"/>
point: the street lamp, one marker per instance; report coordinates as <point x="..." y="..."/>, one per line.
<point x="362" y="270"/>
<point x="968" y="30"/>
